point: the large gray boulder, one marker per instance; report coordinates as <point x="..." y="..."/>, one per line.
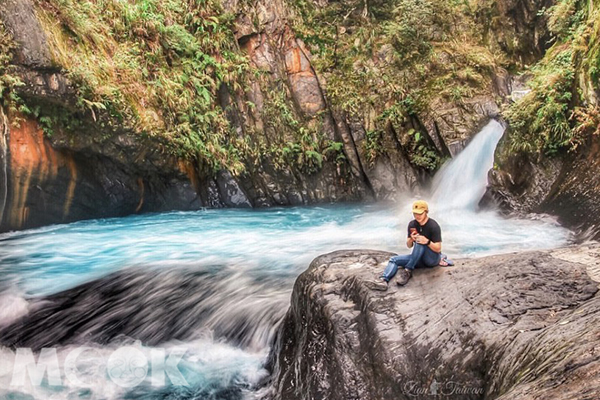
<point x="517" y="326"/>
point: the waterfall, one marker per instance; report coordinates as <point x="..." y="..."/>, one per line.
<point x="462" y="182"/>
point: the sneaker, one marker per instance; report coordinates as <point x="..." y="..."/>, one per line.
<point x="403" y="276"/>
<point x="377" y="284"/>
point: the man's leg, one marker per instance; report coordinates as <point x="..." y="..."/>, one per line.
<point x="409" y="262"/>
<point x="390" y="270"/>
<point x="430" y="258"/>
<point x="415" y="259"/>
<point x="392" y="266"/>
<point x="416" y="256"/>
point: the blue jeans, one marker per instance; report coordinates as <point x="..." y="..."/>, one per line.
<point x="422" y="256"/>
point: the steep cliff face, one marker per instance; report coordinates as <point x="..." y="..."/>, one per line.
<point x="303" y="102"/>
<point x="288" y="83"/>
<point x="567" y="187"/>
<point x="519" y="27"/>
<point x="503" y="327"/>
<point x="547" y="161"/>
<point x="92" y="166"/>
<point x="47" y="183"/>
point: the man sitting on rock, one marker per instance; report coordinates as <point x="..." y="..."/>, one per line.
<point x="425" y="238"/>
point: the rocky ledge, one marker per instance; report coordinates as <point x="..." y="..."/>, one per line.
<point x="517" y="326"/>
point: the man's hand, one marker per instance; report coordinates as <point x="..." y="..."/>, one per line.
<point x="421" y="240"/>
<point x="412" y="239"/>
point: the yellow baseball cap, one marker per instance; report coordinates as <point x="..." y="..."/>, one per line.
<point x="419" y="207"/>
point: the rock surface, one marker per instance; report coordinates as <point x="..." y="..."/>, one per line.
<point x="567" y="187"/>
<point x="52" y="181"/>
<point x="519" y="27"/>
<point x="517" y="326"/>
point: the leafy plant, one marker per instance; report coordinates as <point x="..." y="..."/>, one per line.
<point x="335" y="151"/>
<point x="411" y="29"/>
<point x="422" y="154"/>
<point x="373" y="145"/>
<point x="153" y="66"/>
<point x="8" y="80"/>
<point x="552" y="118"/>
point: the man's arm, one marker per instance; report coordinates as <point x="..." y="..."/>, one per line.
<point x="412" y="235"/>
<point x="435" y="246"/>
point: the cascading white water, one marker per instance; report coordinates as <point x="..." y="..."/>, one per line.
<point x="467" y="231"/>
<point x="215" y="282"/>
<point x="461" y="183"/>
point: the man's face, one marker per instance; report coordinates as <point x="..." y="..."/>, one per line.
<point x="420" y="217"/>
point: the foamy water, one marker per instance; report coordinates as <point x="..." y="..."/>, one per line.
<point x="249" y="260"/>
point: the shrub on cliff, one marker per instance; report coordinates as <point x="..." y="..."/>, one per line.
<point x="388" y="63"/>
<point x="8" y="80"/>
<point x="562" y="108"/>
<point x="153" y="66"/>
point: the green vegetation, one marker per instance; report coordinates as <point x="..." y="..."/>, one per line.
<point x="153" y="66"/>
<point x="557" y="114"/>
<point x="385" y="62"/>
<point x="52" y="116"/>
<point x="421" y="153"/>
<point x="8" y="80"/>
<point x="295" y="142"/>
<point x="156" y="66"/>
<point x="541" y="119"/>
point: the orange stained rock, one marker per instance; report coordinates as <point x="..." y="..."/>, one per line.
<point x="140" y="183"/>
<point x="72" y="184"/>
<point x="297" y="63"/>
<point x="259" y="53"/>
<point x="188" y="168"/>
<point x="33" y="162"/>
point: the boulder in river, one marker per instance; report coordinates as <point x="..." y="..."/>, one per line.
<point x="516" y="326"/>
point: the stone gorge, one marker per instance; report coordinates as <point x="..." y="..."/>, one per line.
<point x="91" y="164"/>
